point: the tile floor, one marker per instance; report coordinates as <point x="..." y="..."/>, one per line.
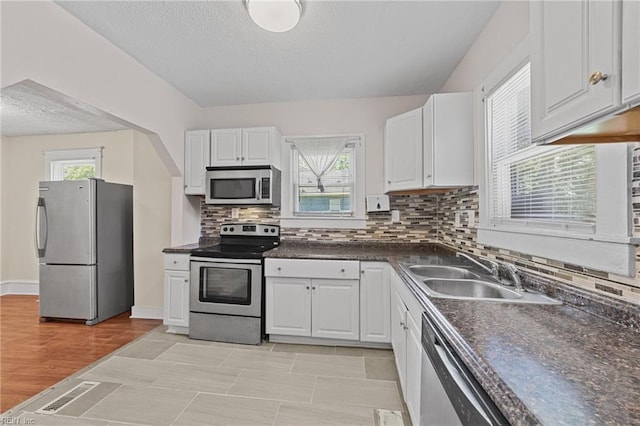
<point x="164" y="379"/>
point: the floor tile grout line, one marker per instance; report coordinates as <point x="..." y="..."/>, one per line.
<point x="235" y="381"/>
<point x="293" y="363"/>
<point x="313" y="391"/>
<point x="276" y="416"/>
<point x="185" y="408"/>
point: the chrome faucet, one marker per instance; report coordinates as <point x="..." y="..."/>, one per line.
<point x="515" y="276"/>
<point x="493" y="270"/>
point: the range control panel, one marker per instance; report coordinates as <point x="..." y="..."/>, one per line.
<point x="250" y="229"/>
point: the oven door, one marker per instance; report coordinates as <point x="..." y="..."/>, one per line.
<point x="227" y="286"/>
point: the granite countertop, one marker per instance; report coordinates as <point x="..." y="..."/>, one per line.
<point x="541" y="364"/>
<point x="186" y="248"/>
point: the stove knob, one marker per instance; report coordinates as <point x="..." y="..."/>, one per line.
<point x="266" y="230"/>
<point x="231" y="229"/>
<point x="225" y="229"/>
<point x="273" y="230"/>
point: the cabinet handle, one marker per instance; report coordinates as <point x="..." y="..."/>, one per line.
<point x="313" y="288"/>
<point x="242" y="158"/>
<point x="405" y="327"/>
<point x="428" y="176"/>
<point x="237" y="158"/>
<point x="175" y="262"/>
<point x="401" y="324"/>
<point x="279" y="268"/>
<point x="362" y="272"/>
<point x="597" y="77"/>
<point x="307" y="287"/>
<point x="342" y="270"/>
<point x="389" y="182"/>
<point x="186" y="281"/>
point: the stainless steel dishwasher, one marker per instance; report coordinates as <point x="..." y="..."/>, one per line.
<point x="450" y="395"/>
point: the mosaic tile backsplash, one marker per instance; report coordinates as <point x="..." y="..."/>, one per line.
<point x="431" y="218"/>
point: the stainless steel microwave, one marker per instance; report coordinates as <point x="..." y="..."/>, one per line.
<point x="243" y="185"/>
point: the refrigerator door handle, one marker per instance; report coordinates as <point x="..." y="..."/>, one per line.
<point x="40" y="250"/>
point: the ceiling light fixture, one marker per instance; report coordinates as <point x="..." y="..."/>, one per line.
<point x="277" y="16"/>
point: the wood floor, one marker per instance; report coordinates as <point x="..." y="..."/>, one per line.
<point x="34" y="355"/>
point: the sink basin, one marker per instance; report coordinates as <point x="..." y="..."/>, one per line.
<point x="441" y="272"/>
<point x="471" y="289"/>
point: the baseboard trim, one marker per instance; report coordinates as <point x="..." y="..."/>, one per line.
<point x="280" y="338"/>
<point x="19" y="287"/>
<point x="147" y="312"/>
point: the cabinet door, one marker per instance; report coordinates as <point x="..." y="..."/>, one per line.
<point x="403" y="151"/>
<point x="226" y="147"/>
<point x="288" y="306"/>
<point x="631" y="52"/>
<point x="448" y="140"/>
<point x="176" y="298"/>
<point x="572" y="41"/>
<point x="399" y="338"/>
<point x="257" y="146"/>
<point x="196" y="159"/>
<point x="375" y="303"/>
<point x="335" y="309"/>
<point x="413" y="372"/>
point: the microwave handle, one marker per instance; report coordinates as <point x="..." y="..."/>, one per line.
<point x="259" y="188"/>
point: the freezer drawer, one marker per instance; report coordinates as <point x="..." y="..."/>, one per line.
<point x="68" y="291"/>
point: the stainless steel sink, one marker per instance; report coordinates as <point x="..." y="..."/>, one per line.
<point x="451" y="282"/>
<point x="475" y="289"/>
<point x="436" y="271"/>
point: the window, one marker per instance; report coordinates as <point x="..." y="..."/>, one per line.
<point x="543" y="184"/>
<point x="73" y="164"/>
<point x="323" y="182"/>
<point x="569" y="203"/>
<point x="330" y="194"/>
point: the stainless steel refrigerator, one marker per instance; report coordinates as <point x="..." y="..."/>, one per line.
<point x="84" y="241"/>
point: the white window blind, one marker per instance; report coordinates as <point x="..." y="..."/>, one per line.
<point x="531" y="183"/>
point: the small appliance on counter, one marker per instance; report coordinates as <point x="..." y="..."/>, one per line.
<point x="84" y="243"/>
<point x="226" y="300"/>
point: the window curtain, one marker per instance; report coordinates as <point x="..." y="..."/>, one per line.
<point x="320" y="154"/>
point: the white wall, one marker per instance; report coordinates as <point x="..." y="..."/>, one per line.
<point x="44" y="43"/>
<point x="129" y="158"/>
<point x="508" y="26"/>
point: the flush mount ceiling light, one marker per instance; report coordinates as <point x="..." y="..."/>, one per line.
<point x="276" y="16"/>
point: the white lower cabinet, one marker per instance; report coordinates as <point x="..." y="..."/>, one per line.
<point x="176" y="292"/>
<point x="375" y="305"/>
<point x="325" y="305"/>
<point x="288" y="306"/>
<point x="406" y="332"/>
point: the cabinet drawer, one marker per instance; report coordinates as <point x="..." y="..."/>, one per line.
<point x="306" y="268"/>
<point x="177" y="262"/>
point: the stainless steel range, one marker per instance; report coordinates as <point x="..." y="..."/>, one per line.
<point x="226" y="299"/>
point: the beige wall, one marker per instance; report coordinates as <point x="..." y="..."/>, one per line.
<point x="366" y="115"/>
<point x="508" y="26"/>
<point x="151" y="221"/>
<point x="128" y="158"/>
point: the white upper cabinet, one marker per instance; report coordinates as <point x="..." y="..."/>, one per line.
<point x="575" y="64"/>
<point x="631" y="52"/>
<point x="432" y="146"/>
<point x="403" y="151"/>
<point x="226" y="147"/>
<point x="253" y="146"/>
<point x="196" y="159"/>
<point x="448" y="140"/>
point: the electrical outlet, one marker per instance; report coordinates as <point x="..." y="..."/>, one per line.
<point x="395" y="216"/>
<point x="235" y="212"/>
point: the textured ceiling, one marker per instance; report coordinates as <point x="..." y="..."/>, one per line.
<point x="213" y="53"/>
<point x="29" y="109"/>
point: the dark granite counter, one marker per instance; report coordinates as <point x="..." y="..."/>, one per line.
<point x="185" y="249"/>
<point x="540" y="364"/>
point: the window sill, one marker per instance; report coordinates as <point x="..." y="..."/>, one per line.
<point x="323" y="222"/>
<point x="603" y="253"/>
